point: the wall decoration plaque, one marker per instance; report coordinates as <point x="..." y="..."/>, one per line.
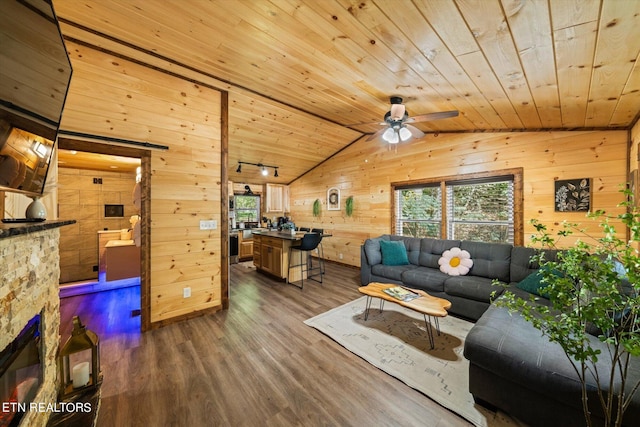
<point x="573" y="195"/>
<point x="333" y="199"/>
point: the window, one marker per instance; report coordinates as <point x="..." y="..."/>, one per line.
<point x="247" y="208"/>
<point x="481" y="211"/>
<point x="419" y="211"/>
<point x="480" y="207"/>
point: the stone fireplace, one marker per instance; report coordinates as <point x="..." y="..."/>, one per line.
<point x="29" y="273"/>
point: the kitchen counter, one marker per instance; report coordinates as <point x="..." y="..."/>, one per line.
<point x="271" y="254"/>
<point x="114" y="243"/>
<point x="286" y="235"/>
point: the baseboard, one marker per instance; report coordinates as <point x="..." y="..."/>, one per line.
<point x="82" y="288"/>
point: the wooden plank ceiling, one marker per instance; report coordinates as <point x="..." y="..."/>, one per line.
<point x="305" y="69"/>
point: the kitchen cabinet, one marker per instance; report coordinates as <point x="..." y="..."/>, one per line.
<point x="257" y="251"/>
<point x="245" y="245"/>
<point x="246" y="250"/>
<point x="277" y="198"/>
<point x="271" y="254"/>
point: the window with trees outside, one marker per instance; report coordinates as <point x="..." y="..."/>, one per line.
<point x="480" y="207"/>
<point x="247" y="208"/>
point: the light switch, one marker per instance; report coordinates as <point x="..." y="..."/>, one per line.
<point x="208" y="224"/>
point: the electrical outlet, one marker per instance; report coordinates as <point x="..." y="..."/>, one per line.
<point x="208" y="224"/>
<point x="186" y="292"/>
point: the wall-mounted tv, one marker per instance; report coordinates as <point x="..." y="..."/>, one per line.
<point x="34" y="80"/>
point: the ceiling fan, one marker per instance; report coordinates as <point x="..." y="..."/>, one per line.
<point x="397" y="122"/>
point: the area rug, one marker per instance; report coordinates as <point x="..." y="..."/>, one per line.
<point x="395" y="340"/>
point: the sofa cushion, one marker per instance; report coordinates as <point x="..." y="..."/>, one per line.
<point x="455" y="262"/>
<point x="432" y="249"/>
<point x="490" y="260"/>
<point x="425" y="278"/>
<point x="533" y="283"/>
<point x="475" y="288"/>
<point x="393" y="253"/>
<point x="393" y="272"/>
<point x="413" y="247"/>
<point x="372" y="250"/>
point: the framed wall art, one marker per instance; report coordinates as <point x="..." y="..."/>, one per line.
<point x="573" y="195"/>
<point x="333" y="199"/>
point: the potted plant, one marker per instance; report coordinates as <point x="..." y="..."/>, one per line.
<point x="593" y="286"/>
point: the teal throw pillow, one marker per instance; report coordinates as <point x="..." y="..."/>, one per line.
<point x="393" y="252"/>
<point x="533" y="283"/>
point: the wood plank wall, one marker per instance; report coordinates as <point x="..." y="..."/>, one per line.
<point x="113" y="97"/>
<point x="634" y="147"/>
<point x="366" y="169"/>
<point x="634" y="161"/>
<point x="83" y="200"/>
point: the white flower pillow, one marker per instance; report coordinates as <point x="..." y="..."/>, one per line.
<point x="455" y="262"/>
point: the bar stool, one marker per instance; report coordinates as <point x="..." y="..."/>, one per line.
<point x="320" y="248"/>
<point x="308" y="243"/>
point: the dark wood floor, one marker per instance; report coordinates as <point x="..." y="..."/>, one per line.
<point x="255" y="364"/>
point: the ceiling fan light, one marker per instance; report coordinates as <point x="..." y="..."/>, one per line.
<point x="405" y="134"/>
<point x="394" y="138"/>
<point x="389" y="134"/>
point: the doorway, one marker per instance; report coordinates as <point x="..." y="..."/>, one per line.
<point x="86" y="146"/>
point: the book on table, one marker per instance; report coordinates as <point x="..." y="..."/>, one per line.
<point x="401" y="293"/>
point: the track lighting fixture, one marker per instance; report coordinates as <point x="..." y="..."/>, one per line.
<point x="263" y="168"/>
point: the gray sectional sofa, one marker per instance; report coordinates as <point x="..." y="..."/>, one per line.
<point x="470" y="295"/>
<point x="513" y="367"/>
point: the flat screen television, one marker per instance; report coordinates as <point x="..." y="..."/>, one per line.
<point x="34" y="80"/>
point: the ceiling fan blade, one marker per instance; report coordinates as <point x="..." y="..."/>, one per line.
<point x="415" y="132"/>
<point x="365" y="124"/>
<point x="377" y="134"/>
<point x="433" y="116"/>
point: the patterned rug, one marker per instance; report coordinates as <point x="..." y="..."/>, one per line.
<point x="395" y="341"/>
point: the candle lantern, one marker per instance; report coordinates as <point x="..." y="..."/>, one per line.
<point x="79" y="361"/>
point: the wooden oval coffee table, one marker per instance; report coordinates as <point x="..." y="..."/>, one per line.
<point x="429" y="306"/>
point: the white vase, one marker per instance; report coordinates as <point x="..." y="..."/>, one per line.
<point x="36" y="209"/>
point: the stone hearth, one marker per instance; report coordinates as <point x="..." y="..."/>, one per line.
<point x="29" y="274"/>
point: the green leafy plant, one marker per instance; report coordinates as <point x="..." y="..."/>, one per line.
<point x="593" y="286"/>
<point x="348" y="206"/>
<point x="317" y="208"/>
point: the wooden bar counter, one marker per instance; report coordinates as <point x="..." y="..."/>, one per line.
<point x="271" y="253"/>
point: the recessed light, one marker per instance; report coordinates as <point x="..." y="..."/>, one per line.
<point x="74" y="152"/>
